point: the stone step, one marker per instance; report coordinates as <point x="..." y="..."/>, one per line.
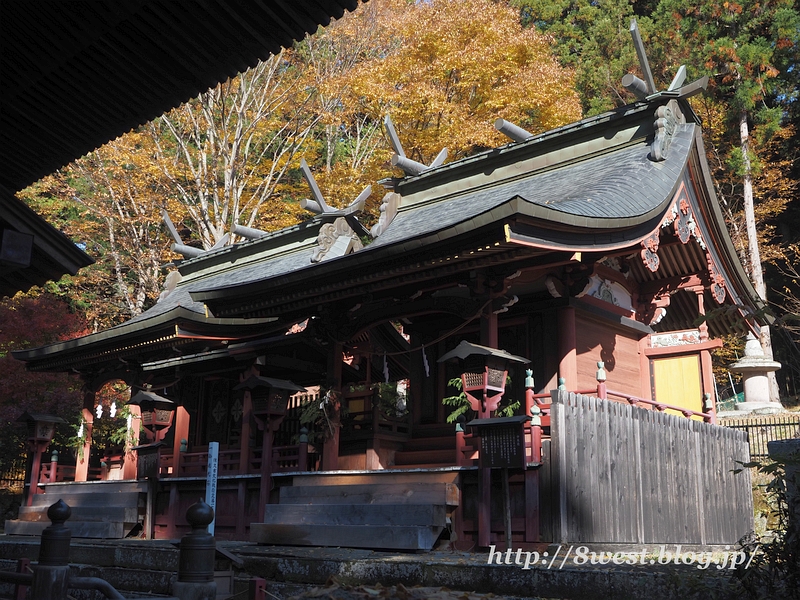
<point x="123" y="514"/>
<point x="79" y="529"/>
<point x="346" y="536"/>
<point x="98" y="498"/>
<point x="94" y="487"/>
<point x="391" y="493"/>
<point x="400" y="515"/>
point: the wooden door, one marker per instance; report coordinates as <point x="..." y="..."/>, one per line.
<point x="677" y="381"/>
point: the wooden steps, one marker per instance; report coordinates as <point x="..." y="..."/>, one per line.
<point x="433" y="447"/>
<point x="418" y="457"/>
<point x="100" y="509"/>
<point x="396" y="514"/>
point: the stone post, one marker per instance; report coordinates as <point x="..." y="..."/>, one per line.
<point x="51" y="574"/>
<point x="196" y="558"/>
<point x="787" y="452"/>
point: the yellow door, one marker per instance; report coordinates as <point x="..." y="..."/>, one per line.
<point x="676" y="381"/>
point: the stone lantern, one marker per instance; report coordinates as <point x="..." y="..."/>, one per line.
<point x="755" y="367"/>
<point x="483" y="374"/>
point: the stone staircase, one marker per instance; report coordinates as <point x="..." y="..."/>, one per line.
<point x="100" y="509"/>
<point x="384" y="510"/>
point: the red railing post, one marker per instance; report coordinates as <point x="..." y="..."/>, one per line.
<point x="21" y="590"/>
<point x="54" y="466"/>
<point x="460" y="445"/>
<point x="601" y="380"/>
<point x="302" y="452"/>
<point x="257" y="589"/>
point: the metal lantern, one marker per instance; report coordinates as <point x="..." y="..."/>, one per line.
<point x="270" y="396"/>
<point x="41" y="427"/>
<point x="157" y="412"/>
<point x="483" y="374"/>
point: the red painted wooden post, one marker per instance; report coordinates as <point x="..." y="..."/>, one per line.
<point x="484" y="507"/>
<point x="266" y="471"/>
<point x="567" y="350"/>
<point x="21" y="590"/>
<point x="82" y="465"/>
<point x="460" y="445"/>
<point x="257" y="589"/>
<point x="181" y="433"/>
<point x="532" y="500"/>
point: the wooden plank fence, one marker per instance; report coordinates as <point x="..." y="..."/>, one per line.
<point x="623" y="474"/>
<point x="761" y="430"/>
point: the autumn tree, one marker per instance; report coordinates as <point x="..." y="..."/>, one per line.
<point x="225" y="153"/>
<point x="27" y="321"/>
<point x="124" y="192"/>
<point x="451" y="75"/>
<point x="592" y="38"/>
<point x="746" y="49"/>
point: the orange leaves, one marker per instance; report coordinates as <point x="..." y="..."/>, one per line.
<point x="452" y="76"/>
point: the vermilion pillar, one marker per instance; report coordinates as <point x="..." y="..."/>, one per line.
<point x="567" y="347"/>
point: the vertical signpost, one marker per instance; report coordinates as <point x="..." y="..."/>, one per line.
<point x="211" y="481"/>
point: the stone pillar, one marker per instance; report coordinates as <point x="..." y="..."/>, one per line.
<point x="51" y="574"/>
<point x="196" y="558"/>
<point x="754" y="368"/>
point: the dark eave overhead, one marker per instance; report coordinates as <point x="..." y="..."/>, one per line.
<point x="75" y="75"/>
<point x="51" y="252"/>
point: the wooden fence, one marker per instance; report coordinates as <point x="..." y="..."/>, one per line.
<point x="618" y="473"/>
<point x="761" y="430"/>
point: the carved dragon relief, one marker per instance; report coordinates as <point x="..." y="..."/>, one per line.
<point x="335" y="239"/>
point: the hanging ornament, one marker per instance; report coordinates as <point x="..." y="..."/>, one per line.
<point x="99" y="410"/>
<point x="425" y="362"/>
<point x="385" y="369"/>
<point x="113" y="410"/>
<point x="80" y="430"/>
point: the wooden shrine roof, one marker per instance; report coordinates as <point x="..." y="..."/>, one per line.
<point x="590" y="188"/>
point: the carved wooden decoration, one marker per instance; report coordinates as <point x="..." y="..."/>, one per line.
<point x="389" y="206"/>
<point x="665" y="124"/>
<point x="684" y="222"/>
<point x="717" y="287"/>
<point x="335" y="239"/>
<point x="649" y="249"/>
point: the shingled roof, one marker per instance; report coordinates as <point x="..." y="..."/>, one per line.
<point x="593" y="186"/>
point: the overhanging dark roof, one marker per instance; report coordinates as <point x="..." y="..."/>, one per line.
<point x="75" y="75"/>
<point x="51" y="252"/>
<point x="144" y="339"/>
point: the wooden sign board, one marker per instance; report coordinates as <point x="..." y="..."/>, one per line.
<point x="502" y="442"/>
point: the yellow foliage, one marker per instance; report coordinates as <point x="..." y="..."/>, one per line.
<point x="453" y="74"/>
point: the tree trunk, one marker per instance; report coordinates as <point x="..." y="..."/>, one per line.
<point x="756" y="273"/>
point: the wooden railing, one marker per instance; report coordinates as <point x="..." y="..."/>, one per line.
<point x="195" y="464"/>
<point x="371" y="419"/>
